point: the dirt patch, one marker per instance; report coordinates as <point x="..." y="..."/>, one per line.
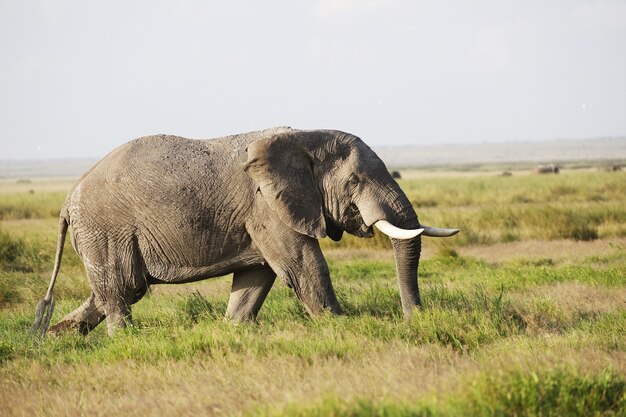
<point x="556" y="250"/>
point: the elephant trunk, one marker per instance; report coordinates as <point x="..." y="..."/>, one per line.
<point x="387" y="206"/>
<point x="407" y="256"/>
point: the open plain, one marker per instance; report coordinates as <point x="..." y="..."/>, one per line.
<point x="524" y="315"/>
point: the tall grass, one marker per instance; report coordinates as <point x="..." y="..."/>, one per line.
<point x="584" y="221"/>
<point x="30" y="205"/>
<point x="579" y="206"/>
<point x="574" y="187"/>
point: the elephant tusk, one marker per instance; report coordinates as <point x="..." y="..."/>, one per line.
<point x="396" y="232"/>
<point x="439" y="231"/>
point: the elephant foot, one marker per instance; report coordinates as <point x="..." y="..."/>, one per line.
<point x="240" y="319"/>
<point x="84" y="319"/>
<point x="65" y="326"/>
<point x="118" y="316"/>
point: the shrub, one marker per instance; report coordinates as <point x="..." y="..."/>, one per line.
<point x="579" y="231"/>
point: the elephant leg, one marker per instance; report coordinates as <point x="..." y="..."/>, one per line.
<point x="119" y="284"/>
<point x="248" y="293"/>
<point x="84" y="319"/>
<point x="120" y="292"/>
<point x="118" y="315"/>
<point x="299" y="261"/>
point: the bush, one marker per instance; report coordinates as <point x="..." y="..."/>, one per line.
<point x="579" y="231"/>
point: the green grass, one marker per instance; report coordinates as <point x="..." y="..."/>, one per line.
<point x="482" y="307"/>
<point x="511" y="336"/>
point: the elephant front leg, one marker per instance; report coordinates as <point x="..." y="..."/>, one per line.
<point x="298" y="260"/>
<point x="248" y="293"/>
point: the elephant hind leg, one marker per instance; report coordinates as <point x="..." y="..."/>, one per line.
<point x="248" y="293"/>
<point x="122" y="290"/>
<point x="118" y="315"/>
<point x="84" y="319"/>
<point x="119" y="285"/>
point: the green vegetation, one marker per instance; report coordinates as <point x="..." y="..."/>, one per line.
<point x="501" y="332"/>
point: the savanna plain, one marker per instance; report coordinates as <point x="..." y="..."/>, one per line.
<point x="524" y="314"/>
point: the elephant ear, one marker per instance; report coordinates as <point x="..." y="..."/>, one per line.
<point x="283" y="170"/>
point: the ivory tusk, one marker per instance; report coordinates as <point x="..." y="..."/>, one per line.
<point x="396" y="232"/>
<point x="438" y="231"/>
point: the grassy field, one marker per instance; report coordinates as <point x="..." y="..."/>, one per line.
<point x="524" y="315"/>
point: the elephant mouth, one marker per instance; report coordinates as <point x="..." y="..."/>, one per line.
<point x="333" y="230"/>
<point x="354" y="223"/>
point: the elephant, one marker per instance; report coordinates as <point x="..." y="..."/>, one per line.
<point x="547" y="169"/>
<point x="166" y="209"/>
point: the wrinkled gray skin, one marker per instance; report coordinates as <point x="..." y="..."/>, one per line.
<point x="165" y="209"/>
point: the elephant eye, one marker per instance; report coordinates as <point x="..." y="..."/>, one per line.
<point x="354" y="180"/>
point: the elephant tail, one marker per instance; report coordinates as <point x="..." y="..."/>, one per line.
<point x="45" y="307"/>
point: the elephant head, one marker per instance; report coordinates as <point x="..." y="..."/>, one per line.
<point x="324" y="183"/>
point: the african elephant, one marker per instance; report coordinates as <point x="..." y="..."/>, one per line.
<point x="165" y="209"/>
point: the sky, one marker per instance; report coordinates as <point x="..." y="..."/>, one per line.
<point x="80" y="77"/>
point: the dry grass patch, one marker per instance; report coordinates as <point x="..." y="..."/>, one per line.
<point x="557" y="250"/>
<point x="227" y="386"/>
<point x="584" y="298"/>
<point x="38" y="185"/>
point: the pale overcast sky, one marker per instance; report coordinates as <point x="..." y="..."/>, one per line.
<point x="79" y="77"/>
